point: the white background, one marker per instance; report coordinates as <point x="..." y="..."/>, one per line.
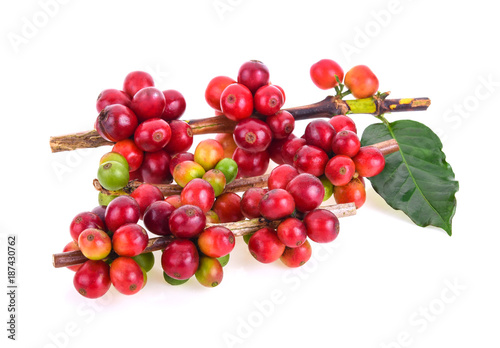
<point x="369" y="288"/>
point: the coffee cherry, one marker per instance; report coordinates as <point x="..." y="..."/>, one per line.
<point x="251" y="164"/>
<point x="94" y="244"/>
<point x="209" y="272"/>
<point x="250" y="202"/>
<point x="186" y="171"/>
<point x="227" y="142"/>
<point x="145" y="195"/>
<point x="212" y="217"/>
<point x="296" y="257"/>
<point x="346" y="143"/>
<point x="275" y="148"/>
<point x="310" y="159"/>
<point x="187" y="221"/>
<point x="340" y="170"/>
<point x="110" y="97"/>
<point x="72" y="246"/>
<point x="100" y="211"/>
<point x="179" y="158"/>
<point x="82" y="221"/>
<point x="152" y="135"/>
<point x="208" y="153"/>
<point x="324" y="72"/>
<point x="180" y="259"/>
<point x="253" y="74"/>
<point x="122" y="210"/>
<point x="175" y="105"/>
<point x="214" y="90"/>
<point x="276" y="204"/>
<point x="343" y="122"/>
<point x="252" y="135"/>
<point x="173" y="281"/>
<point x="116" y="122"/>
<point x="116" y="157"/>
<point x="148" y="103"/>
<point x="227" y="207"/>
<point x="126" y="275"/>
<point x="229" y="168"/>
<point x="322" y="225"/>
<point x="113" y="176"/>
<point x="307" y="192"/>
<point x="268" y="100"/>
<point x="361" y="81"/>
<point x="320" y="133"/>
<point x="216" y="241"/>
<point x="224" y="260"/>
<point x="130" y="240"/>
<point x="353" y="192"/>
<point x="92" y="279"/>
<point x="200" y="193"/>
<point x="145" y="260"/>
<point x="289" y="149"/>
<point x="155" y="168"/>
<point x="132" y="154"/>
<point x="281" y="124"/>
<point x="182" y="137"/>
<point x="265" y="246"/>
<point x="217" y="179"/>
<point x="369" y="161"/>
<point x="280" y="176"/>
<point x="156" y="217"/>
<point x="137" y="80"/>
<point x="328" y="186"/>
<point x="236" y="102"/>
<point x="292" y="232"/>
<point x="175" y="200"/>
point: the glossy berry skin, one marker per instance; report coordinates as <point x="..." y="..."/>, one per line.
<point x="145" y="195"/>
<point x="152" y="135"/>
<point x="268" y="100"/>
<point x="328" y="186"/>
<point x="289" y="149"/>
<point x="116" y="157"/>
<point x="342" y="122"/>
<point x="113" y="175"/>
<point x="227" y="142"/>
<point x="310" y="159"/>
<point x="92" y="279"/>
<point x="145" y="260"/>
<point x="112" y="96"/>
<point x="275" y="148"/>
<point x="252" y="135"/>
<point x="276" y="204"/>
<point x="265" y="246"/>
<point x="296" y="257"/>
<point x="126" y="275"/>
<point x="175" y="200"/>
<point x="280" y="176"/>
<point x="155" y="168"/>
<point x="137" y="80"/>
<point x="186" y="171"/>
<point x="352" y="192"/>
<point x="346" y="143"/>
<point x="361" y="81"/>
<point x="187" y="221"/>
<point x="130" y="240"/>
<point x="94" y="244"/>
<point x="322" y="225"/>
<point x="323" y="73"/>
<point x="156" y="217"/>
<point x="253" y="74"/>
<point x="180" y="259"/>
<point x="216" y="179"/>
<point x="121" y="211"/>
<point x="100" y="211"/>
<point x="116" y="122"/>
<point x="229" y="168"/>
<point x="212" y="217"/>
<point x="148" y="103"/>
<point x="307" y="192"/>
<point x="209" y="272"/>
<point x="250" y="202"/>
<point x="369" y="161"/>
<point x="214" y="90"/>
<point x="282" y="124"/>
<point x="182" y="137"/>
<point x="133" y="155"/>
<point x="72" y="246"/>
<point x="236" y="102"/>
<point x="208" y="153"/>
<point x="216" y="241"/>
<point x="178" y="158"/>
<point x="175" y="105"/>
<point x="227" y="207"/>
<point x="340" y="170"/>
<point x="320" y="133"/>
<point x="82" y="221"/>
<point x="251" y="163"/>
<point x="292" y="232"/>
<point x="200" y="193"/>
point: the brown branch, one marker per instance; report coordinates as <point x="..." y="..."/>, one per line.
<point x="328" y="107"/>
<point x="239" y="228"/>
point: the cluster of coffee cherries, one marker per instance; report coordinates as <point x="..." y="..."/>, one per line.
<point x="141" y="120"/>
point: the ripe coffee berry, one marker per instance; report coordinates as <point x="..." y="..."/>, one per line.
<point x="72" y="246"/>
<point x="265" y="246"/>
<point x="145" y="195"/>
<point x="82" y="221"/>
<point x="340" y="170"/>
<point x="94" y="244"/>
<point x="322" y="225"/>
<point x="236" y="102"/>
<point x="180" y="259"/>
<point x="130" y="240"/>
<point x="120" y="211"/>
<point x="342" y="122"/>
<point x="227" y="207"/>
<point x="323" y="73"/>
<point x="92" y="279"/>
<point x="216" y="241"/>
<point x="137" y="80"/>
<point x="126" y="275"/>
<point x="148" y="103"/>
<point x="296" y="257"/>
<point x="182" y="136"/>
<point x="200" y="193"/>
<point x="281" y="176"/>
<point x="310" y="159"/>
<point x="209" y="272"/>
<point x="361" y="81"/>
<point x="268" y="100"/>
<point x="307" y="192"/>
<point x="110" y="97"/>
<point x="155" y="168"/>
<point x="282" y="124"/>
<point x="253" y="74"/>
<point x="252" y="135"/>
<point x="289" y="149"/>
<point x="156" y="217"/>
<point x="214" y="90"/>
<point x="250" y="163"/>
<point x="292" y="232"/>
<point x="175" y="105"/>
<point x="152" y="135"/>
<point x="250" y="202"/>
<point x="274" y="150"/>
<point x="227" y="142"/>
<point x="128" y="149"/>
<point x="369" y="161"/>
<point x="346" y="143"/>
<point x="187" y="221"/>
<point x="276" y="204"/>
<point x="353" y="192"/>
<point x="320" y="133"/>
<point x="175" y="200"/>
<point x="116" y="122"/>
<point x="178" y="158"/>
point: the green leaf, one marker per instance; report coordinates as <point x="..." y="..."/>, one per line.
<point x="416" y="179"/>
